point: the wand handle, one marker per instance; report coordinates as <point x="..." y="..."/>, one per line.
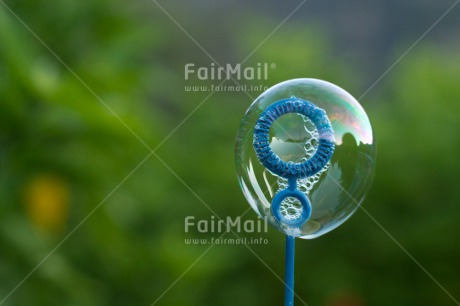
<point x="289" y="277"/>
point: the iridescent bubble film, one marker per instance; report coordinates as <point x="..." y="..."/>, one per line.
<point x="338" y="189"/>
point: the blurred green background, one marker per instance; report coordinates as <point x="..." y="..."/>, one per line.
<point x="89" y="217"/>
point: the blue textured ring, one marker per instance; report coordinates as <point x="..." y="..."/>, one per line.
<point x="272" y="161"/>
<point x="280" y="197"/>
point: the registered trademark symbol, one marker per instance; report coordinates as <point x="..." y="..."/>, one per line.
<point x="272" y="66"/>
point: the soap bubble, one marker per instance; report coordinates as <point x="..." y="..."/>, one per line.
<point x="332" y="188"/>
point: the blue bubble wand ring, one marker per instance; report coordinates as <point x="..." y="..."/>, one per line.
<point x="292" y="171"/>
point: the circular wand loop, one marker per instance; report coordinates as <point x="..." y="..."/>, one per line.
<point x="290" y="170"/>
<point x="291" y="192"/>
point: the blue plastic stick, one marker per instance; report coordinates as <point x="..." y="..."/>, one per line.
<point x="292" y="171"/>
<point x="289" y="278"/>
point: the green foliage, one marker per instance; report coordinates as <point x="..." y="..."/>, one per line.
<point x="63" y="153"/>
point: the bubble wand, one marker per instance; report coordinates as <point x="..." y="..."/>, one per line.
<point x="292" y="209"/>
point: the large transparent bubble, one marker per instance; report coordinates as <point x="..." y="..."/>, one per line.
<point x="337" y="190"/>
